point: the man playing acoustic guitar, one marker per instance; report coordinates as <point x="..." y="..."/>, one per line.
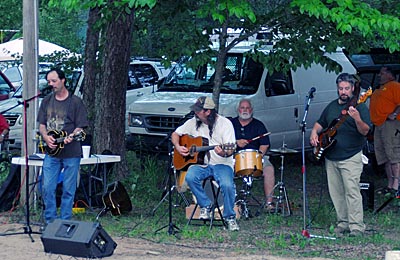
<point x="343" y="160"/>
<point x="60" y="112"/>
<point x="218" y="162"/>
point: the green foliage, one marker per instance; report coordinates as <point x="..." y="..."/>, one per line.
<point x="4" y="170"/>
<point x="356" y="16"/>
<point x="10" y="19"/>
<point x="221" y="11"/>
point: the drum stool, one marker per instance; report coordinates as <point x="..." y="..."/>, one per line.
<point x="214" y="196"/>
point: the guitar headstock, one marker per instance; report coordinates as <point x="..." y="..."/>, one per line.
<point x="229" y="147"/>
<point x="364" y="96"/>
<point x="80" y="136"/>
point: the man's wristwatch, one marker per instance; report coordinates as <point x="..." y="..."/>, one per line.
<point x="3" y="135"/>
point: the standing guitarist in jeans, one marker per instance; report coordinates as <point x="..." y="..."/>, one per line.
<point x="343" y="160"/>
<point x="218" y="162"/>
<point x="60" y="111"/>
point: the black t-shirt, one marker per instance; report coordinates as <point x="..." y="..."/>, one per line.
<point x="253" y="129"/>
<point x="348" y="140"/>
<point x="64" y="115"/>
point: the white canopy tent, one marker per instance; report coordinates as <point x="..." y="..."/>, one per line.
<point x="15" y="48"/>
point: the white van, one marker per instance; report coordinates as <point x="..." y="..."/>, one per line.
<point x="279" y="99"/>
<point x="142" y="79"/>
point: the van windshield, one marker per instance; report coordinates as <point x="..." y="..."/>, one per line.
<point x="242" y="75"/>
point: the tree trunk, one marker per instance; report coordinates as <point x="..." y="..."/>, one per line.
<point x="110" y="105"/>
<point x="91" y="69"/>
<point x="220" y="64"/>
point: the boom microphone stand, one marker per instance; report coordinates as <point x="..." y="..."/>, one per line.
<point x="172" y="228"/>
<point x="305" y="232"/>
<point x="27" y="228"/>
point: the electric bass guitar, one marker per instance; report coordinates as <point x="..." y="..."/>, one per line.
<point x="326" y="138"/>
<point x="197" y="147"/>
<point x="59" y="137"/>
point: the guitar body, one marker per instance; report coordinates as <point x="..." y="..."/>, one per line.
<point x="59" y="137"/>
<point x="116" y="199"/>
<point x="183" y="162"/>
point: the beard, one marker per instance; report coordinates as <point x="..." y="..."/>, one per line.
<point x="344" y="98"/>
<point x="245" y="116"/>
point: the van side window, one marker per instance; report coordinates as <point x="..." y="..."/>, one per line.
<point x="252" y="73"/>
<point x="278" y="84"/>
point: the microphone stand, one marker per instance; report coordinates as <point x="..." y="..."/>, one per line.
<point x="305" y="232"/>
<point x="172" y="228"/>
<point x="27" y="228"/>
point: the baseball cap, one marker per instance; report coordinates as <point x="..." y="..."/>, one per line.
<point x="203" y="103"/>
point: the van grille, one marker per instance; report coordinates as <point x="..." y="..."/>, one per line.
<point x="11" y="119"/>
<point x="161" y="124"/>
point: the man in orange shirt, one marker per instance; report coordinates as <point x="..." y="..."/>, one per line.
<point x="384" y="110"/>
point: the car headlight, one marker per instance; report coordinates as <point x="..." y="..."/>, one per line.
<point x="135" y="120"/>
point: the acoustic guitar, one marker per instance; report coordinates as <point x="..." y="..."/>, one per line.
<point x="326" y="138"/>
<point x="197" y="147"/>
<point x="59" y="137"/>
<point x="116" y="199"/>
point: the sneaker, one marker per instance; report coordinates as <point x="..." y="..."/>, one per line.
<point x="355" y="233"/>
<point x="205" y="213"/>
<point x="232" y="224"/>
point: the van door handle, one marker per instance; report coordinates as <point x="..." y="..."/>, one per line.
<point x="296" y="112"/>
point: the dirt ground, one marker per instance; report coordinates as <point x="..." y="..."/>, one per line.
<point x="15" y="243"/>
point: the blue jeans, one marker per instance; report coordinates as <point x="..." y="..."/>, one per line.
<point x="52" y="168"/>
<point x="223" y="174"/>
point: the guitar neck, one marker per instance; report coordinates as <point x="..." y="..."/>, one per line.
<point x="60" y="140"/>
<point x="200" y="149"/>
<point x="362" y="99"/>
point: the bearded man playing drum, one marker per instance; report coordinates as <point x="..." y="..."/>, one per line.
<point x="247" y="129"/>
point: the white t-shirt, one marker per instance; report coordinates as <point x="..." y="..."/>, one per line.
<point x="223" y="133"/>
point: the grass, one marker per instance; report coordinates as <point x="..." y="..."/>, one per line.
<point x="281" y="236"/>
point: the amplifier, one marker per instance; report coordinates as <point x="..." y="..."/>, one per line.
<point x="367" y="193"/>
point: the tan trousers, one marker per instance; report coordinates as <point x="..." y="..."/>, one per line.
<point x="344" y="189"/>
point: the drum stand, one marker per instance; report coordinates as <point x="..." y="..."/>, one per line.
<point x="282" y="198"/>
<point x="245" y="193"/>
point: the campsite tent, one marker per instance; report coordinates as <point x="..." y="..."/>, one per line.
<point x="15" y="47"/>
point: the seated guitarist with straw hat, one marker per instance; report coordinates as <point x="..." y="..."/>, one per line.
<point x="218" y="162"/>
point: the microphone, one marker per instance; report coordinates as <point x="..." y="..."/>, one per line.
<point x="311" y="92"/>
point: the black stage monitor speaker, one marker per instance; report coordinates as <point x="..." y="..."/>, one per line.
<point x="78" y="239"/>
